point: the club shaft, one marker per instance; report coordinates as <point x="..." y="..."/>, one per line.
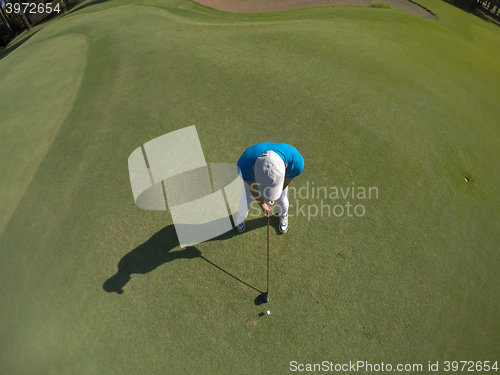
<point x="268" y="253"/>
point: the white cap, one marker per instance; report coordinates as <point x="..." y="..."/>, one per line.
<point x="269" y="170"/>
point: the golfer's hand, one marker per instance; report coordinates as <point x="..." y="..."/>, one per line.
<point x="266" y="208"/>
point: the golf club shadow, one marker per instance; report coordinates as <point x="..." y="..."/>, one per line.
<point x="157" y="251"/>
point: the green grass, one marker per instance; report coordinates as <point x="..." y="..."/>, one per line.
<point x="385" y="99"/>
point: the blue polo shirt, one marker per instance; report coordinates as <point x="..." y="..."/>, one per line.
<point x="292" y="158"/>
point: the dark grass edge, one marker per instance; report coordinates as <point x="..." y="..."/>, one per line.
<point x="424" y="7"/>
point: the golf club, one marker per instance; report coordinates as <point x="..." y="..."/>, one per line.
<point x="265" y="297"/>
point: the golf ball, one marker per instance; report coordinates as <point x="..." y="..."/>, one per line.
<point x="268" y="312"/>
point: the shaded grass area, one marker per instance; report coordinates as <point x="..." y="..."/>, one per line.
<point x="18" y="43"/>
<point x="381" y="99"/>
<point x="477" y="10"/>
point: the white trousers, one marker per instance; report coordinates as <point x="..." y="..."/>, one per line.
<point x="247" y="198"/>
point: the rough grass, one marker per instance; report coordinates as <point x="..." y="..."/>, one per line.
<point x="383" y="99"/>
<point x="382" y="5"/>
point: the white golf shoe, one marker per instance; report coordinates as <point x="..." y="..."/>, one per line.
<point x="284" y="223"/>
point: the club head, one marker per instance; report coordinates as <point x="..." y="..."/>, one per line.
<point x="264" y="298"/>
<point x="261" y="298"/>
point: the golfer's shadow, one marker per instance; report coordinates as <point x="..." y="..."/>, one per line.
<point x="158" y="250"/>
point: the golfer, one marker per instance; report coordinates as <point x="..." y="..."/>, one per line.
<point x="267" y="169"/>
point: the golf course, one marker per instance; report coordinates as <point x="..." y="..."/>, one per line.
<point x="374" y="98"/>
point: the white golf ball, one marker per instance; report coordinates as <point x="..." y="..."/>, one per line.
<point x="268" y="312"/>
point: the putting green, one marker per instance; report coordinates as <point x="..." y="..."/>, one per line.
<point x="370" y="97"/>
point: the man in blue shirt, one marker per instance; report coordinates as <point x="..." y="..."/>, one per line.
<point x="267" y="169"/>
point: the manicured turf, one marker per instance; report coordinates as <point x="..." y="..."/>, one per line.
<point x="381" y="98"/>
